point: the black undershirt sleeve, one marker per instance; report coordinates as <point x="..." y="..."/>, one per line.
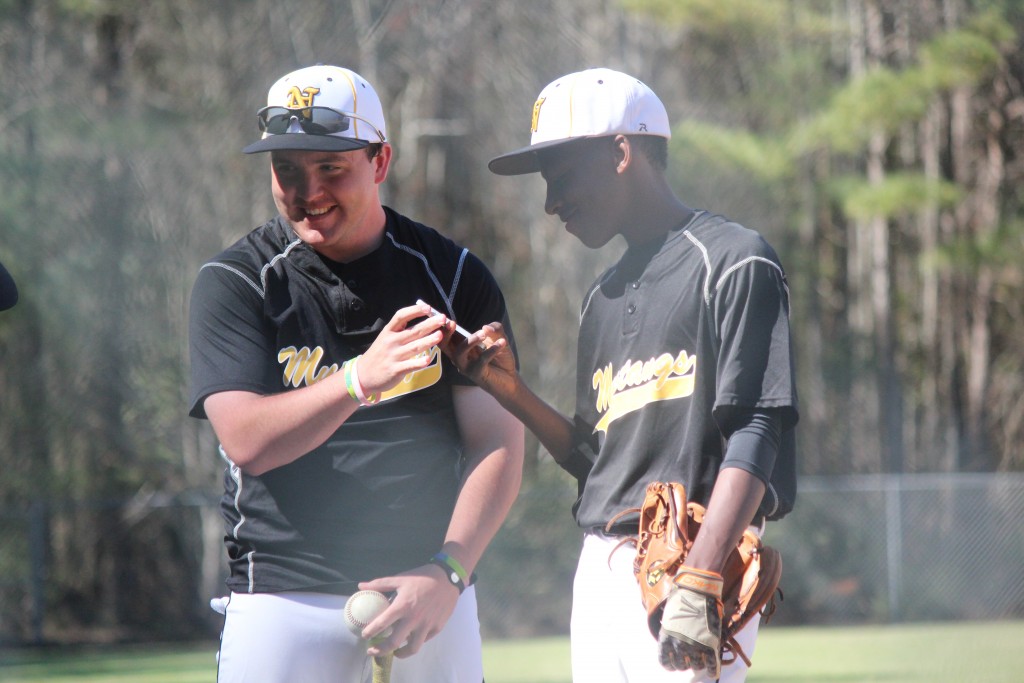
<point x="754" y="437"/>
<point x="584" y="452"/>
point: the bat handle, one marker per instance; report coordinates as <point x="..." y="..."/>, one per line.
<point x="382" y="668"/>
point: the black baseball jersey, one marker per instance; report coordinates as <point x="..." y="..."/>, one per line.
<point x="268" y="315"/>
<point x="672" y="337"/>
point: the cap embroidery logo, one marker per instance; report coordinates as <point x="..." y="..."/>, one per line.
<point x="298" y="99"/>
<point x="536" y="114"/>
<point x="643" y="127"/>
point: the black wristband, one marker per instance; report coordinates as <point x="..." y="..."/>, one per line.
<point x="453" y="570"/>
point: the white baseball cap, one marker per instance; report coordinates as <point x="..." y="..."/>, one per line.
<point x="586" y="104"/>
<point x="327" y="108"/>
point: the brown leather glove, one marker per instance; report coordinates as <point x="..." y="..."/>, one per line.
<point x="668" y="524"/>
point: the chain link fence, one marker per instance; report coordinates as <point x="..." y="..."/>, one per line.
<point x="856" y="549"/>
<point x="865" y="549"/>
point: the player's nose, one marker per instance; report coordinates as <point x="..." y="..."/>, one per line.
<point x="308" y="186"/>
<point x="552" y="202"/>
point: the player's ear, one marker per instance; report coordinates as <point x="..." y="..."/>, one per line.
<point x="381" y="163"/>
<point x="622" y="152"/>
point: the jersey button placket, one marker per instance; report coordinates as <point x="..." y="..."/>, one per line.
<point x="631" y="321"/>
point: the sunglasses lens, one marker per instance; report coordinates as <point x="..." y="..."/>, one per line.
<point x="312" y="120"/>
<point x="274" y="120"/>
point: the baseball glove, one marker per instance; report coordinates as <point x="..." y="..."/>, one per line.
<point x="668" y="526"/>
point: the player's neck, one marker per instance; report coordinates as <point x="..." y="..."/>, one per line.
<point x="657" y="217"/>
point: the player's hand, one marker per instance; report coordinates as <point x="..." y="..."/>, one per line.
<point x="400" y="348"/>
<point x="486" y="358"/>
<point x="691" y="625"/>
<point x="424" y="600"/>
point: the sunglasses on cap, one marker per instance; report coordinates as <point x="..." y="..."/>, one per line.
<point x="312" y="120"/>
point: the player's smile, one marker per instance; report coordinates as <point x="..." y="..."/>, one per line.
<point x="320" y="219"/>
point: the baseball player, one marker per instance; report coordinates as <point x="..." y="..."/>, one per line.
<point x="684" y="373"/>
<point x="356" y="456"/>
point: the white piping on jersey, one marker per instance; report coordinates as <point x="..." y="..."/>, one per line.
<point x="270" y="264"/>
<point x="236" y="271"/>
<point x="593" y="292"/>
<point x="729" y="271"/>
<point x="236" y="476"/>
<point x="447" y="296"/>
<point x="260" y="288"/>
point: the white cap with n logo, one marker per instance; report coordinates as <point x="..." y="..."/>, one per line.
<point x="321" y="107"/>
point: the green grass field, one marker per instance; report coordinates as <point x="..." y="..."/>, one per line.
<point x="992" y="652"/>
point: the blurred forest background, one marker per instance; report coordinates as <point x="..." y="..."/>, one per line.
<point x="878" y="144"/>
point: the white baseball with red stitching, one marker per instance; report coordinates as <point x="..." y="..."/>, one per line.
<point x="362" y="608"/>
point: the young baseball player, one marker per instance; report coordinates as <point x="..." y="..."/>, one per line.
<point x="356" y="456"/>
<point x="685" y="374"/>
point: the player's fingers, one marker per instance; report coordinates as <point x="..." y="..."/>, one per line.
<point x="381" y="627"/>
<point x="429" y="324"/>
<point x="416" y="640"/>
<point x="386" y="585"/>
<point x="403" y="316"/>
<point x="423" y="335"/>
<point x="393" y="356"/>
<point x="495" y="329"/>
<point x="674" y="655"/>
<point x="385" y="645"/>
<point x="475" y="366"/>
<point x="666" y="656"/>
<point x="412" y="645"/>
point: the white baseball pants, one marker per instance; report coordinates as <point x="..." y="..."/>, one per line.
<point x="610" y="640"/>
<point x="302" y="637"/>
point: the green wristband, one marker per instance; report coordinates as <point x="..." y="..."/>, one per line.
<point x="348" y="380"/>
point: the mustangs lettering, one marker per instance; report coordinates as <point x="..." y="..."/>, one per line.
<point x="638" y="383"/>
<point x="302" y="366"/>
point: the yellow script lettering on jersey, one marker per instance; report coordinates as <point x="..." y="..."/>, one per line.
<point x="301" y="367"/>
<point x="417" y="379"/>
<point x="638" y="383"/>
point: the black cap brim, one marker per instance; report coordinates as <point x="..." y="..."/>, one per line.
<point x="8" y="290"/>
<point x="304" y="142"/>
<point x="523" y="160"/>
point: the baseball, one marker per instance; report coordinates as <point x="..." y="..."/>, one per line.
<point x="362" y="607"/>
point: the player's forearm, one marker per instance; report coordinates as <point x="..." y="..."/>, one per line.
<point x="260" y="433"/>
<point x="553" y="429"/>
<point x="734" y="502"/>
<point x="488" y="491"/>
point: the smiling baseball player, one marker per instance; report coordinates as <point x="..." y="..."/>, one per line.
<point x="356" y="456"/>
